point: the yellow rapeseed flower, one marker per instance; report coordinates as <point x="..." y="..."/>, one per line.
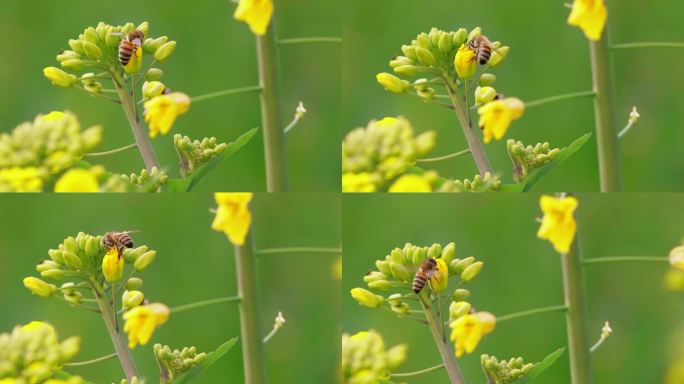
<point x="77" y="180"/>
<point x="39" y="287"/>
<point x="440" y="280"/>
<point x="161" y="111"/>
<point x="17" y="179"/>
<point x="53" y="116"/>
<point x="465" y="62"/>
<point x="366" y="298"/>
<point x="676" y="257"/>
<point x="411" y="183"/>
<point x="468" y="330"/>
<point x="112" y="265"/>
<point x="135" y="62"/>
<point x="141" y="321"/>
<point x="558" y="225"/>
<point x="233" y="216"/>
<point x="496" y="117"/>
<point x="590" y="16"/>
<point x="256" y="13"/>
<point x="58" y="77"/>
<point x="358" y="182"/>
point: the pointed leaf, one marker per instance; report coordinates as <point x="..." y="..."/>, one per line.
<point x="540" y="367"/>
<point x="211" y="358"/>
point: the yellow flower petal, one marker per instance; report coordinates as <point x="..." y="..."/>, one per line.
<point x="558" y="224"/>
<point x="161" y="111"/>
<point x="112" y="265"/>
<point x="141" y="321"/>
<point x="590" y="16"/>
<point x="256" y="13"/>
<point x="468" y="330"/>
<point x="358" y="182"/>
<point x="233" y="216"/>
<point x="465" y="62"/>
<point x="411" y="183"/>
<point x="440" y="280"/>
<point x="496" y="117"/>
<point x="77" y="180"/>
<point x="17" y="179"/>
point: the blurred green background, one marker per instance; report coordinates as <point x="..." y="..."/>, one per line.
<point x="547" y="58"/>
<point x="522" y="272"/>
<point x="193" y="263"/>
<point x="214" y="53"/>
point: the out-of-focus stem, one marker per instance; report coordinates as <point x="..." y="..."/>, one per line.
<point x="448" y="357"/>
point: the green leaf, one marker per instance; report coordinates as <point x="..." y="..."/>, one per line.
<point x="540" y="367"/>
<point x="211" y="358"/>
<point x="534" y="177"/>
<point x="189" y="183"/>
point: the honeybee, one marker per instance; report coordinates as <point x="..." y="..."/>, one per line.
<point x="483" y="48"/>
<point x="118" y="240"/>
<point x="128" y="45"/>
<point x="425" y="272"/>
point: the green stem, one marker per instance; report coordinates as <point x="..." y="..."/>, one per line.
<point x="271" y="251"/>
<point x="606" y="132"/>
<point x="226" y="92"/>
<point x="292" y="124"/>
<point x="448" y="357"/>
<point x="197" y="304"/>
<point x="576" y="316"/>
<point x="626" y="129"/>
<point x="531" y="312"/>
<point x="274" y="137"/>
<point x="446" y="157"/>
<point x="252" y="342"/>
<point x="416" y="373"/>
<point x="113" y="151"/>
<point x="309" y="40"/>
<point x="271" y="334"/>
<point x="120" y="346"/>
<point x="474" y="143"/>
<point x="93" y="361"/>
<point x="622" y="259"/>
<point x="658" y="44"/>
<point x="141" y="138"/>
<point x="565" y="96"/>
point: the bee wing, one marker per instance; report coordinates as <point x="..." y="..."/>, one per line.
<point x="133" y="231"/>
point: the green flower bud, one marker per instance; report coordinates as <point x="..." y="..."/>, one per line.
<point x="367" y="298"/>
<point x="460" y="294"/>
<point x="90" y="35"/>
<point x="460" y="37"/>
<point x="67" y="55"/>
<point x="113" y="40"/>
<point x="423" y="41"/>
<point x="448" y="253"/>
<point x="154" y="74"/>
<point x="409" y="51"/>
<point x="383" y="266"/>
<point x="152" y="45"/>
<point x="47" y="265"/>
<point x="381" y="285"/>
<point x="445" y="43"/>
<point x="152" y="89"/>
<point x="397" y="255"/>
<point x="144" y="27"/>
<point x="93" y="248"/>
<point x="486" y="79"/>
<point x="73" y="297"/>
<point x="56" y="256"/>
<point x="165" y="51"/>
<point x="399" y="271"/>
<point x="374" y="276"/>
<point x="58" y="77"/>
<point x="54" y="274"/>
<point x="132" y="299"/>
<point x="425" y="56"/>
<point x="77" y="46"/>
<point x="392" y="83"/>
<point x="419" y="255"/>
<point x="133" y="283"/>
<point x="472" y="271"/>
<point x="498" y="56"/>
<point x="399" y="61"/>
<point x="401" y="308"/>
<point x="457" y="266"/>
<point x="475" y="32"/>
<point x="132" y="254"/>
<point x="71" y="245"/>
<point x="484" y="95"/>
<point x="92" y="51"/>
<point x="406" y="70"/>
<point x="458" y="309"/>
<point x="72" y="261"/>
<point x="434" y="251"/>
<point x="144" y="260"/>
<point x="39" y="287"/>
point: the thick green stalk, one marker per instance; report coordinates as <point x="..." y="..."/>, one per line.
<point x="141" y="139"/>
<point x="576" y="316"/>
<point x="274" y="136"/>
<point x="118" y="339"/>
<point x="250" y="324"/>
<point x="474" y="143"/>
<point x="606" y="130"/>
<point x="448" y="357"/>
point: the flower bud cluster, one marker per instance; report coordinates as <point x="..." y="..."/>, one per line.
<point x="33" y="352"/>
<point x="174" y="363"/>
<point x="504" y="372"/>
<point x="488" y="183"/>
<point x="382" y="151"/>
<point x="193" y="154"/>
<point x="365" y="359"/>
<point x="527" y="158"/>
<point x="147" y="181"/>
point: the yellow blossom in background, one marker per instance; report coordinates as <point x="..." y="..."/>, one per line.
<point x="233" y="216"/>
<point x="558" y="224"/>
<point x="77" y="180"/>
<point x="337" y="268"/>
<point x="358" y="182"/>
<point x="161" y="111"/>
<point x="256" y="13"/>
<point x="468" y="330"/>
<point x="18" y="179"/>
<point x="440" y="280"/>
<point x="112" y="265"/>
<point x="496" y="117"/>
<point x="53" y="116"/>
<point x="411" y="183"/>
<point x="674" y="280"/>
<point x="465" y="62"/>
<point x="590" y="16"/>
<point x="141" y="321"/>
<point x="676" y="257"/>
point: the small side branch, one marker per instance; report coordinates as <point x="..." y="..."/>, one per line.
<point x="271" y="251"/>
<point x="197" y="304"/>
<point x="532" y="312"/>
<point x="310" y="40"/>
<point x="226" y="92"/>
<point x="625" y="259"/>
<point x="93" y="361"/>
<point x="111" y="152"/>
<point x="445" y="157"/>
<point x="416" y="373"/>
<point x="565" y="96"/>
<point x="656" y="44"/>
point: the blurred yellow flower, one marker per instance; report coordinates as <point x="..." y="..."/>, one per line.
<point x="112" y="265"/>
<point x="411" y="183"/>
<point x="440" y="280"/>
<point x="676" y="257"/>
<point x="468" y="330"/>
<point x="590" y="16"/>
<point x="496" y="116"/>
<point x="674" y="280"/>
<point x="18" y="179"/>
<point x="337" y="268"/>
<point x="141" y="321"/>
<point x="77" y="180"/>
<point x="53" y="116"/>
<point x="161" y="111"/>
<point x="558" y="225"/>
<point x="256" y="13"/>
<point x="465" y="62"/>
<point x="358" y="182"/>
<point x="233" y="216"/>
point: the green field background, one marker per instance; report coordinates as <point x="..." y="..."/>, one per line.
<point x="214" y="53"/>
<point x="193" y="263"/>
<point x="547" y="58"/>
<point x="522" y="272"/>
